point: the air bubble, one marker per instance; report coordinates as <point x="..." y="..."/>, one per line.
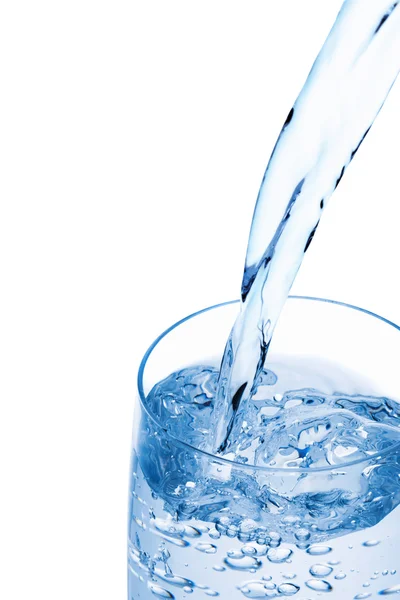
<point x="318" y="550"/>
<point x="206" y="548"/>
<point x="274" y="539"/>
<point x="395" y="589"/>
<point x="302" y="535"/>
<point x="214" y="534"/>
<point x="169" y="528"/>
<point x="234" y="554"/>
<point x="258" y="589"/>
<point x="278" y="555"/>
<point x="191" y="532"/>
<point x="245" y="563"/>
<point x="319" y="585"/>
<point x="140" y="523"/>
<point x="248" y="526"/>
<point x="176" y="541"/>
<point x="288" y="589"/>
<point x="371" y="543"/>
<point x="320" y="570"/>
<point x="270" y="586"/>
<point x="249" y="550"/>
<point x="232" y="531"/>
<point x="174" y="579"/>
<point x="161" y="592"/>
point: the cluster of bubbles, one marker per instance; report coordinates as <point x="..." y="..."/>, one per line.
<point x="248" y="558"/>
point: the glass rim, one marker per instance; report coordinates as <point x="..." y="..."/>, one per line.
<point x="239" y="465"/>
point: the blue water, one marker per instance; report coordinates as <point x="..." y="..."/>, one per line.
<point x="300" y="494"/>
<point x="319" y="519"/>
<point x="299" y="429"/>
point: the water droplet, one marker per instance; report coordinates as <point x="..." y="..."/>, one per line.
<point x="266" y="578"/>
<point x="289" y="575"/>
<point x="319" y="585"/>
<point x="395" y="589"/>
<point x="371" y="543"/>
<point x="288" y="589"/>
<point x="159" y="591"/>
<point x="362" y="596"/>
<point x="334" y="563"/>
<point x="318" y="550"/>
<point x="385" y="572"/>
<point x="244" y="563"/>
<point x="211" y="593"/>
<point x="366" y="584"/>
<point x="393" y="572"/>
<point x="340" y="576"/>
<point x="207" y="548"/>
<point x="320" y="570"/>
<point x="278" y="555"/>
<point x="188" y="589"/>
<point x="219" y="568"/>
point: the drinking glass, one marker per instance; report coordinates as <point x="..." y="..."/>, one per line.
<point x="346" y="542"/>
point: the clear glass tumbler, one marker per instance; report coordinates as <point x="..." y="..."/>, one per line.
<point x="184" y="539"/>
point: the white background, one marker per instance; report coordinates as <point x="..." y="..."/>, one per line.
<point x="133" y="139"/>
